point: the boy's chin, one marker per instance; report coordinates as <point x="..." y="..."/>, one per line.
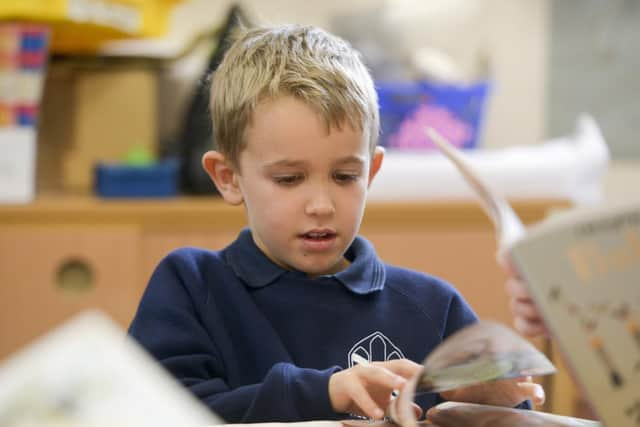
<point x="328" y="269"/>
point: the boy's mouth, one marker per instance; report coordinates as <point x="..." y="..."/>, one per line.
<point x="319" y="240"/>
<point x="319" y="235"/>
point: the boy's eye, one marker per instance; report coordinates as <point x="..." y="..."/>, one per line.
<point x="345" y="178"/>
<point x="287" y="179"/>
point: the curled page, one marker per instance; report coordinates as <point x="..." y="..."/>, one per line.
<point x="484" y="351"/>
<point x="479" y="353"/>
<point x="508" y="226"/>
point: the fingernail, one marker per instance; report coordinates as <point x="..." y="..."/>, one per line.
<point x="378" y="414"/>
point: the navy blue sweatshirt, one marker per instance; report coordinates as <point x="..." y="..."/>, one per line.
<point x="258" y="343"/>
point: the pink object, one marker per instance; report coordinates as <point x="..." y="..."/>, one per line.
<point x="411" y="132"/>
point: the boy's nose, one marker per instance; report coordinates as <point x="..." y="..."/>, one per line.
<point x="320" y="203"/>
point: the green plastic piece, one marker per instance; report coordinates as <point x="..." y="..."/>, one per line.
<point x="139" y="156"/>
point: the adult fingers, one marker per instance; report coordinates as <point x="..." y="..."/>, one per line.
<point x="529" y="328"/>
<point x="525" y="309"/>
<point x="516" y="289"/>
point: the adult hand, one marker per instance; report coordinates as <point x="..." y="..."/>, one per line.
<point x="526" y="317"/>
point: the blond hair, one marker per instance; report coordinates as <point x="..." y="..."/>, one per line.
<point x="305" y="62"/>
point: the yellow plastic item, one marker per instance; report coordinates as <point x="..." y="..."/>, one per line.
<point x="82" y="25"/>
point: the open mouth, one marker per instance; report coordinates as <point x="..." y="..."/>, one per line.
<point x="319" y="235"/>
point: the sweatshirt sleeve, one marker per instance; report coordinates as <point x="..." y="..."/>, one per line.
<point x="286" y="394"/>
<point x="167" y="324"/>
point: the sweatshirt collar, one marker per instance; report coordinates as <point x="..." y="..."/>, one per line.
<point x="365" y="273"/>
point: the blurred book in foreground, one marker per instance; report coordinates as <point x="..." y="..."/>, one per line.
<point x="89" y="373"/>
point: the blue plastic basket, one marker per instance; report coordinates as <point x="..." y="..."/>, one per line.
<point x="455" y="111"/>
<point x="121" y="180"/>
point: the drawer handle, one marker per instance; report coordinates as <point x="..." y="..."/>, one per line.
<point x="75" y="275"/>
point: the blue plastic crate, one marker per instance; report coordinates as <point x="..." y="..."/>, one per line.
<point x="455" y="111"/>
<point x="121" y="180"/>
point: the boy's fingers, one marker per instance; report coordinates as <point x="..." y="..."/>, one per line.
<point x="532" y="391"/>
<point x="417" y="410"/>
<point x="403" y="367"/>
<point x="365" y="402"/>
<point x="368" y="386"/>
<point x="380" y="375"/>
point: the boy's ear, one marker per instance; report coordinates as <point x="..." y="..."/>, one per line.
<point x="376" y="162"/>
<point x="223" y="175"/>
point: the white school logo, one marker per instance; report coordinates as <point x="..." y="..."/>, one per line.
<point x="374" y="348"/>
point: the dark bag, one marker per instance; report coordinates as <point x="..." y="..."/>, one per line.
<point x="197" y="136"/>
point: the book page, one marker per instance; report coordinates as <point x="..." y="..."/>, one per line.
<point x="481" y="352"/>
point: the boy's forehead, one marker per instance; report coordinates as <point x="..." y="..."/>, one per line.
<point x="268" y="150"/>
<point x="289" y="125"/>
<point x="287" y="152"/>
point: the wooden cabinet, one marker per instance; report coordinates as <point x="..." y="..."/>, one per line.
<point x="48" y="273"/>
<point x="59" y="256"/>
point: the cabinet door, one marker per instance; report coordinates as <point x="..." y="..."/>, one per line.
<point x="49" y="273"/>
<point x="464" y="258"/>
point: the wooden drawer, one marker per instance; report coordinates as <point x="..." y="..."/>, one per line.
<point x="49" y="273"/>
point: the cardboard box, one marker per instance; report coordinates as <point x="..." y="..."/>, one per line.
<point x="93" y="113"/>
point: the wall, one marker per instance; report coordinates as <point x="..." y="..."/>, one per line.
<point x="509" y="36"/>
<point x="594" y="67"/>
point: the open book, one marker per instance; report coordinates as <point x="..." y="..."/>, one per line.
<point x="479" y="353"/>
<point x="582" y="269"/>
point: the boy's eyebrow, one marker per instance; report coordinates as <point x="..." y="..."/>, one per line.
<point x="297" y="163"/>
<point x="286" y="162"/>
<point x="351" y="159"/>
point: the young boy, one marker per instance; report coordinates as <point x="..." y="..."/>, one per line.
<point x="271" y="327"/>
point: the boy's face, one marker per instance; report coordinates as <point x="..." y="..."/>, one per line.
<point x="304" y="189"/>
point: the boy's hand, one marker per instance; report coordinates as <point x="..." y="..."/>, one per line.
<point x="499" y="393"/>
<point x="366" y="389"/>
